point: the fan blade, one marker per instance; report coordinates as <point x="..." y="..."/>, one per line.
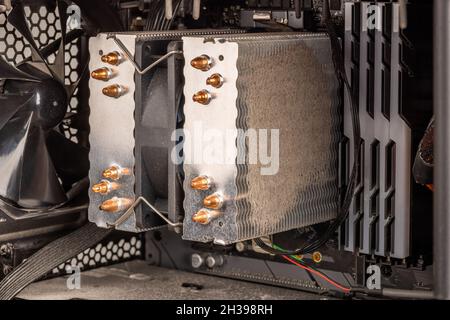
<point x="59" y="65"/>
<point x="9" y="105"/>
<point x="53" y="46"/>
<point x="62" y="10"/>
<point x="70" y="159"/>
<point x="13" y="138"/>
<point x="8" y="71"/>
<point x="40" y="186"/>
<point x="17" y="19"/>
<point x="36" y="69"/>
<point x="28" y="175"/>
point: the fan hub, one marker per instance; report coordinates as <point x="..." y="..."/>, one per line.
<point x="49" y="103"/>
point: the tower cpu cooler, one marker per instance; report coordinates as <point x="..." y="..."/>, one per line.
<point x="266" y="160"/>
<point x="137" y="151"/>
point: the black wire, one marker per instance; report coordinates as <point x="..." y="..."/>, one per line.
<point x="339" y="67"/>
<point x="152" y="12"/>
<point x="160" y="16"/>
<point x="156" y="19"/>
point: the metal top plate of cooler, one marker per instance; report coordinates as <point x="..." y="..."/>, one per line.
<point x="112" y="126"/>
<point x="218" y="116"/>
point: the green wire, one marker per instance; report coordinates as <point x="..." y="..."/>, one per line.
<point x="302" y="262"/>
<point x="297" y="258"/>
<point x="281" y="249"/>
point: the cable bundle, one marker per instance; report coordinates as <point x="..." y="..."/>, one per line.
<point x="49" y="257"/>
<point x="156" y="20"/>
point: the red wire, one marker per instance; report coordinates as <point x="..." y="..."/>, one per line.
<point x="337" y="285"/>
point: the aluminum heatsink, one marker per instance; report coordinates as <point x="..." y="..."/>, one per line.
<point x="282" y="89"/>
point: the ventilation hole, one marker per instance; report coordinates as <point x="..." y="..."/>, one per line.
<point x="355" y="81"/>
<point x="370" y="91"/>
<point x="388" y="237"/>
<point x="374" y="235"/>
<point x="387" y="21"/>
<point x="386" y="93"/>
<point x="356" y="19"/>
<point x="360" y="176"/>
<point x="374" y="163"/>
<point x="358" y="230"/>
<point x="374" y="203"/>
<point x="359" y="201"/>
<point x="390" y="205"/>
<point x="346" y="232"/>
<point x="355" y="53"/>
<point x="390" y="165"/>
<point x="392" y="236"/>
<point x="344" y="162"/>
<point x="386" y="55"/>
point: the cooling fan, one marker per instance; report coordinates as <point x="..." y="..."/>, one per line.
<point x="38" y="164"/>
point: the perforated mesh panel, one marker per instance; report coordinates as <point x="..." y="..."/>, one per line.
<point x="45" y="28"/>
<point x="105" y="253"/>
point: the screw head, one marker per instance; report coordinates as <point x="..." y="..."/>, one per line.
<point x="196" y="260"/>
